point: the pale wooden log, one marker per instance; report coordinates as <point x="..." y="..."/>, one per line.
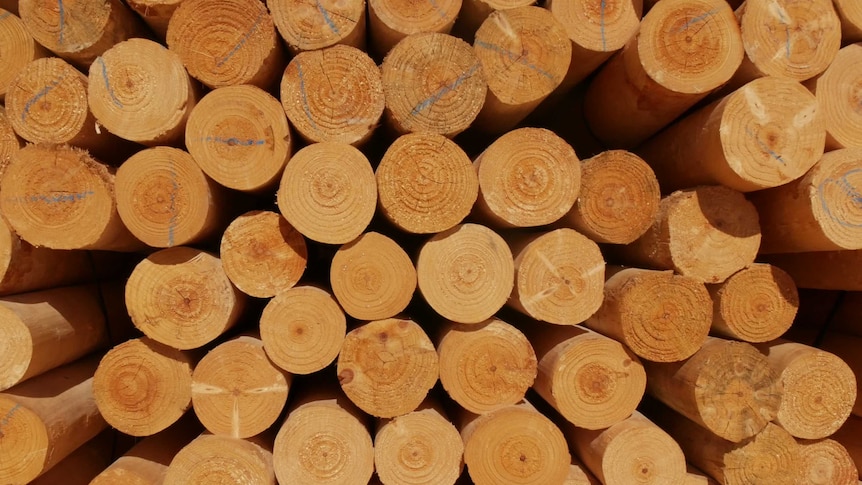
<point x="474" y="12"/>
<point x="140" y="91"/>
<point x="825" y="462"/>
<point x="837" y="92"/>
<point x="166" y="200"/>
<point x="826" y="270"/>
<point x="525" y="54"/>
<point x="142" y="387"/>
<point x="9" y="141"/>
<point x="818" y="212"/>
<point x="528" y="177"/>
<point x="618" y="199"/>
<point x="727" y="387"/>
<point x="302" y="329"/>
<point x="846" y="347"/>
<point x="707" y="233"/>
<point x="17" y="47"/>
<point x="386" y="367"/>
<point x="579" y="475"/>
<point x="697" y="477"/>
<point x="757" y="304"/>
<point x="156" y="13"/>
<point x="182" y="298"/>
<point x="392" y="20"/>
<point x="466" y="273"/>
<point x="659" y="315"/>
<point x="767" y="133"/>
<point x="61" y="198"/>
<point x="559" y="276"/>
<point x="82" y="465"/>
<point x="432" y="82"/>
<point x="45" y="419"/>
<point x="79" y="32"/>
<point x="239" y="136"/>
<point x="425" y="183"/>
<point x="333" y="94"/>
<point x="307" y="27"/>
<point x="850" y="13"/>
<point x="372" y="277"/>
<point x="850" y="437"/>
<point x="684" y="50"/>
<point x="221" y="459"/>
<point x="328" y="192"/>
<point x="262" y="254"/>
<point x="515" y="444"/>
<point x="486" y="366"/>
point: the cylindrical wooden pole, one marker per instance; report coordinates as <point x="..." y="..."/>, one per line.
<point x="9" y="141"/>
<point x="826" y="462"/>
<point x="837" y="92"/>
<point x="334" y="94"/>
<point x="466" y="273"/>
<point x="82" y="465"/>
<point x="17" y="48"/>
<point x="221" y="459"/>
<point x="181" y="297"/>
<point x="386" y="367"/>
<point x="426" y="183"/>
<point x="846" y="347"/>
<point x="850" y="436"/>
<point x="825" y="270"/>
<point x="392" y="20"/>
<point x="765" y="134"/>
<point x="307" y="27"/>
<point x="142" y="387"/>
<point x="432" y="82"/>
<point x="579" y="475"/>
<point x="328" y="192"/>
<point x="684" y="50"/>
<point x="659" y="315"/>
<point x="708" y="233"/>
<point x="850" y="13"/>
<point x="61" y="198"/>
<point x="156" y="13"/>
<point x="474" y="12"/>
<point x="140" y="91"/>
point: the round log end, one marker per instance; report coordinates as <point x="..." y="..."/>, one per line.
<point x="826" y="462"/>
<point x="769" y="458"/>
<point x="24" y="442"/>
<point x="220" y="459"/>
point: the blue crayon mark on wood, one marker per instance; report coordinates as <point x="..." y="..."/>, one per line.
<point x="695" y="20"/>
<point x="327" y="18"/>
<point x="765" y="147"/>
<point x="520" y="59"/>
<point x="8" y="417"/>
<point x="442" y="91"/>
<point x="304" y="97"/>
<point x="783" y="20"/>
<point x="242" y="41"/>
<point x="440" y="10"/>
<point x="114" y="99"/>
<point x="233" y="141"/>
<point x="604" y="41"/>
<point x="58" y="198"/>
<point x="62" y="20"/>
<point x="848" y="189"/>
<point x="4" y="14"/>
<point x="30" y="102"/>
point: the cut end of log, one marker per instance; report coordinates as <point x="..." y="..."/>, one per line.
<point x="24" y="442"/>
<point x="75" y="30"/>
<point x="220" y="459"/>
<point x="850" y="13"/>
<point x="17" y="49"/>
<point x="826" y="462"/>
<point x="599" y="25"/>
<point x="16" y="347"/>
<point x="306" y="26"/>
<point x="392" y="20"/>
<point x="835" y="201"/>
<point x="839" y="94"/>
<point x="769" y="458"/>
<point x="9" y="141"/>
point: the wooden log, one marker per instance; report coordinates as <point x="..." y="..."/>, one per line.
<point x="43" y="330"/>
<point x="45" y="419"/>
<point x="386" y="367"/>
<point x="306" y="27"/>
<point x="618" y="199"/>
<point x="392" y="20"/>
<point x="514" y="444"/>
<point x="757" y="304"/>
<point x="767" y="133"/>
<point x="60" y="197"/>
<point x="633" y="450"/>
<point x="9" y="141"/>
<point x="486" y="366"/>
<point x="432" y="82"/>
<point x="818" y="212"/>
<point x="325" y="439"/>
<point x="684" y="50"/>
<point x="333" y="94"/>
<point x="302" y="329"/>
<point x="372" y="277"/>
<point x="850" y="437"/>
<point x="426" y="183"/>
<point x="262" y="254"/>
<point x="151" y="112"/>
<point x="837" y="94"/>
<point x="659" y="315"/>
<point x="727" y="387"/>
<point x="528" y="177"/>
<point x="519" y="78"/>
<point x="142" y="387"/>
<point x="708" y="233"/>
<point x="79" y="32"/>
<point x="474" y="12"/>
<point x="166" y="200"/>
<point x="240" y="137"/>
<point x="826" y="462"/>
<point x="846" y="348"/>
<point x="17" y="48"/>
<point x="559" y="276"/>
<point x="421" y="447"/>
<point x="328" y="192"/>
<point x="182" y="298"/>
<point x="826" y="270"/>
<point x="850" y="13"/>
<point x="83" y="464"/>
<point x="466" y="273"/>
<point x="579" y="475"/>
<point x="156" y="13"/>
<point x="221" y="459"/>
<point x="591" y="380"/>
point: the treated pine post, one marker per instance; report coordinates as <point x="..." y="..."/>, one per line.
<point x="825" y="270"/>
<point x="83" y="464"/>
<point x="708" y="233"/>
<point x="151" y="113"/>
<point x="182" y="298"/>
<point x="60" y="197"/>
<point x="45" y="419"/>
<point x="328" y="192"/>
<point x="850" y="13"/>
<point x="302" y="329"/>
<point x="307" y="27"/>
<point x="474" y="12"/>
<point x="426" y="183"/>
<point x="659" y="315"/>
<point x="386" y="367"/>
<point x="767" y="133"/>
<point x="685" y="49"/>
<point x="156" y="13"/>
<point x="262" y="254"/>
<point x="826" y="462"/>
<point x="432" y="82"/>
<point x="392" y="20"/>
<point x="850" y="436"/>
<point x="17" y="47"/>
<point x="333" y="94"/>
<point x="9" y="141"/>
<point x="757" y="304"/>
<point x="142" y="387"/>
<point x="466" y="273"/>
<point x="838" y="97"/>
<point x="166" y="200"/>
<point x="221" y="459"/>
<point x="846" y="347"/>
<point x="485" y="366"/>
<point x="579" y="475"/>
